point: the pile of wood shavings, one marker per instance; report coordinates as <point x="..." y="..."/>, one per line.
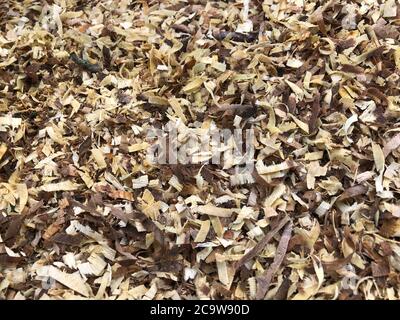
<point x="84" y="215"/>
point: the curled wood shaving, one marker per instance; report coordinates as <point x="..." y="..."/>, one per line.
<point x="215" y="211"/>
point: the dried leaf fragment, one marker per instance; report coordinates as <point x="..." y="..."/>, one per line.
<point x="262" y="243"/>
<point x="265" y="279"/>
<point x="391" y="145"/>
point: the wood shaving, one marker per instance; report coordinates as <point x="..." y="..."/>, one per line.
<point x="113" y="185"/>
